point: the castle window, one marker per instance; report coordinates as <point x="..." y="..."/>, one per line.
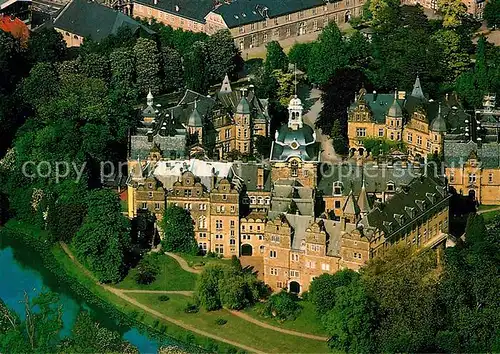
<point x="157" y="206"/>
<point x="232" y="223"/>
<point x="246" y="237"/>
<point x="410" y="137"/>
<point x="219" y="248"/>
<point x="219" y="237"/>
<point x="232" y="242"/>
<point x="224" y="197"/>
<point x="315" y="248"/>
<point x="261" y="237"/>
<point x="150" y="185"/>
<point x="150" y="195"/>
<point x="295" y="168"/>
<point x="325" y="267"/>
<point x="275" y="238"/>
<point x="144" y="205"/>
<point x="381" y="132"/>
<point x="294" y="273"/>
<point x="272" y="254"/>
<point x="390" y="186"/>
<point x="295" y="257"/>
<point x="233" y="208"/>
<point x="218" y="224"/>
<point x="428" y="145"/>
<point x="452" y="177"/>
<point x="490" y="178"/>
<point x="419" y="140"/>
<point x="361" y="132"/>
<point x="202" y="222"/>
<point x="337" y="204"/>
<point x="273" y="271"/>
<point x="472" y="178"/>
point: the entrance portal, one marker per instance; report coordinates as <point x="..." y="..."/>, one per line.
<point x="294" y="287"/>
<point x="246" y="250"/>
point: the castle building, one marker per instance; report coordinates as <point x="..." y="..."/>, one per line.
<point x="472" y="155"/>
<point x="254" y="23"/>
<point x="421" y="124"/>
<point x="280" y="217"/>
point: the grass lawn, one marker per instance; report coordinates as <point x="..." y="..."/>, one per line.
<point x="235" y="329"/>
<point x="149" y="320"/>
<point x="487" y="207"/>
<point x="200" y="261"/>
<point x="171" y="277"/>
<point x="490" y="215"/>
<point x="306" y="322"/>
<point x="124" y="205"/>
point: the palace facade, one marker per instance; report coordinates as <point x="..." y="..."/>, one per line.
<point x="286" y="219"/>
<point x="413" y="119"/>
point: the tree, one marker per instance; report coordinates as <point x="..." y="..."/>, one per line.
<point x="352" y="320"/>
<point x="41" y="85"/>
<point x="491" y="13"/>
<point x="456" y="58"/>
<point x="95" y="65"/>
<point x="147" y="269"/>
<point x="359" y="50"/>
<point x="196" y="74"/>
<point x="147" y="59"/>
<point x="103" y="241"/>
<point x="178" y="231"/>
<point x="172" y="69"/>
<point x="46" y="45"/>
<point x="122" y="65"/>
<point x="453" y="12"/>
<point x="207" y="287"/>
<point x="328" y="55"/>
<point x="224" y="56"/>
<point x="383" y="14"/>
<point x="322" y="289"/>
<point x="88" y="336"/>
<point x="475" y="230"/>
<point x="286" y="86"/>
<point x="299" y="55"/>
<point x="339" y="141"/>
<point x="276" y="58"/>
<point x="11" y="62"/>
<point x="283" y="306"/>
<point x="263" y="145"/>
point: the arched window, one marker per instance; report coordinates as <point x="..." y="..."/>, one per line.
<point x="202" y="222"/>
<point x="295" y="168"/>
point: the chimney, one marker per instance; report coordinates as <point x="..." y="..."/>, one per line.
<point x="150" y="136"/>
<point x="260" y="177"/>
<point x="156" y="2"/>
<point x="177" y="8"/>
<point x="374" y="96"/>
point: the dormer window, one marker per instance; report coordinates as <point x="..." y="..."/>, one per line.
<point x="337" y="188"/>
<point x="390" y="187"/>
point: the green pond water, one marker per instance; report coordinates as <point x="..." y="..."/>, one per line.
<point x="21" y="270"/>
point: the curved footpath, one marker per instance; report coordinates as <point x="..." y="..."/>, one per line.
<point x="184" y="265"/>
<point x="120" y="293"/>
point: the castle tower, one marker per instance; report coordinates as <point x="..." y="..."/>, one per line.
<point x="195" y="123"/>
<point x="394" y="119"/>
<point x="149" y="113"/>
<point x="243" y="126"/>
<point x="226" y="85"/>
<point x="295" y="110"/>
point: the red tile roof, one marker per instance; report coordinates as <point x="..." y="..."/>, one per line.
<point x="15" y="26"/>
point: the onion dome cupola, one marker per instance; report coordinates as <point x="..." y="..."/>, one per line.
<point x="438" y="125"/>
<point x="395" y="111"/>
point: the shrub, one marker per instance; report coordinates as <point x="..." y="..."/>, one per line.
<point x="283" y="306"/>
<point x="163" y="298"/>
<point x="220" y="321"/>
<point x="191" y="308"/>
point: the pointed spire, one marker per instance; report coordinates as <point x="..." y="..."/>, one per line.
<point x="417" y="89"/>
<point x="350" y="206"/>
<point x="363" y="203"/>
<point x="226" y="85"/>
<point x="195" y="119"/>
<point x="395" y="110"/>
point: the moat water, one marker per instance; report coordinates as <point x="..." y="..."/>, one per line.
<point x="22" y="271"/>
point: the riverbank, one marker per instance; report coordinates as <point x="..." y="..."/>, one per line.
<point x="109" y="305"/>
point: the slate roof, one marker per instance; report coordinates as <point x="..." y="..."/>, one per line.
<point x="241" y="12"/>
<point x="91" y="20"/>
<point x="376" y="178"/>
<point x="379" y="104"/>
<point x="456" y="153"/>
<point x="398" y="215"/>
<point x="192" y="9"/>
<point x="247" y="172"/>
<point x="307" y="148"/>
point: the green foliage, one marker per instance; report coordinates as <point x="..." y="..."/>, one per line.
<point x="41" y="85"/>
<point x="147" y="269"/>
<point x="191" y="308"/>
<point x="46" y="45"/>
<point x="299" y="55"/>
<point x="263" y="145"/>
<point x="475" y="230"/>
<point x="122" y="65"/>
<point x="351" y="321"/>
<point x="382" y="146"/>
<point x="328" y="54"/>
<point x="147" y="59"/>
<point x="322" y="289"/>
<point x="95" y="65"/>
<point x="491" y="13"/>
<point x="178" y="231"/>
<point x="172" y="69"/>
<point x="235" y="263"/>
<point x="276" y="58"/>
<point x="283" y="306"/>
<point x="220" y="321"/>
<point x="285" y="86"/>
<point x="454" y="11"/>
<point x="339" y="141"/>
<point x="163" y="298"/>
<point x="196" y="71"/>
<point x="224" y="56"/>
<point x="221" y="285"/>
<point x="104" y="238"/>
<point x="455" y="54"/>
